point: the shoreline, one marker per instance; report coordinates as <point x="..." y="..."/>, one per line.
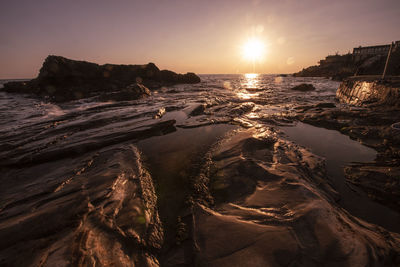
<point x="187" y="175"/>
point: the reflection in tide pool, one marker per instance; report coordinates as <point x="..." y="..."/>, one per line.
<point x="339" y="150"/>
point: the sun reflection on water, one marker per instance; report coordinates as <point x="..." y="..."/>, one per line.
<point x="251" y="75"/>
<point x="251" y="81"/>
<point x="246" y="95"/>
<point x="249" y="85"/>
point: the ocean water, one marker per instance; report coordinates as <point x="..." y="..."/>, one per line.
<point x="269" y="94"/>
<point x="34" y="126"/>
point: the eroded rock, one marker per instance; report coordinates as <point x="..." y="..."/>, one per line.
<point x="370" y="125"/>
<point x="101" y="212"/>
<point x="363" y="92"/>
<point x="274" y="206"/>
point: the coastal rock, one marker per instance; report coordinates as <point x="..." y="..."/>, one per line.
<point x="370" y="124"/>
<point x="131" y="92"/>
<point x="174" y="78"/>
<point x="304" y="87"/>
<point x="361" y="91"/>
<point x="277" y="208"/>
<point x="100" y="210"/>
<point x="61" y="79"/>
<point x="340" y="67"/>
<point x="335" y="66"/>
<point x="377" y="181"/>
<point x="199" y="110"/>
<point x="190" y="77"/>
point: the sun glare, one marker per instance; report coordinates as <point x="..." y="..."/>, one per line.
<point x="250" y="75"/>
<point x="253" y="50"/>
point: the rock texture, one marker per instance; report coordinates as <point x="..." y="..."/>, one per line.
<point x="263" y="201"/>
<point x="62" y="79"/>
<point x="360" y="92"/>
<point x="103" y="214"/>
<point x="371" y="107"/>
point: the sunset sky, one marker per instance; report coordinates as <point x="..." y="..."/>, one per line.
<point x="186" y="35"/>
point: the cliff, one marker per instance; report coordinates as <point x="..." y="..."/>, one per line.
<point x="62" y="79"/>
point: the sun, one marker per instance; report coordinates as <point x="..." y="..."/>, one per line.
<point x="253" y="50"/>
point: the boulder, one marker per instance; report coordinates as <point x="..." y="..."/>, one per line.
<point x="61" y="79"/>
<point x="304" y="87"/>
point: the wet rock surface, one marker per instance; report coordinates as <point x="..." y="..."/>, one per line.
<point x="369" y="124"/>
<point x="98" y="209"/>
<point x="191" y="175"/>
<point x="362" y="92"/>
<point x="61" y="79"/>
<point x="275" y="207"/>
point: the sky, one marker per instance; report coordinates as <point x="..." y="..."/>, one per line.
<point x="199" y="36"/>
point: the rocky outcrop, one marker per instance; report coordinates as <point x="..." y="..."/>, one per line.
<point x="362" y="92"/>
<point x="304" y="87"/>
<point x="62" y="79"/>
<point x="335" y="66"/>
<point x="339" y="67"/>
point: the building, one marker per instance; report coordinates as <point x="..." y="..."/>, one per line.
<point x="366" y="51"/>
<point x="335" y="60"/>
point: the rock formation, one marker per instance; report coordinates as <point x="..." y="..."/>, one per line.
<point x="238" y="217"/>
<point x="360" y="92"/>
<point x="104" y="214"/>
<point x="370" y="122"/>
<point x="304" y="87"/>
<point x="335" y="66"/>
<point x="61" y="79"/>
<point x="339" y="67"/>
